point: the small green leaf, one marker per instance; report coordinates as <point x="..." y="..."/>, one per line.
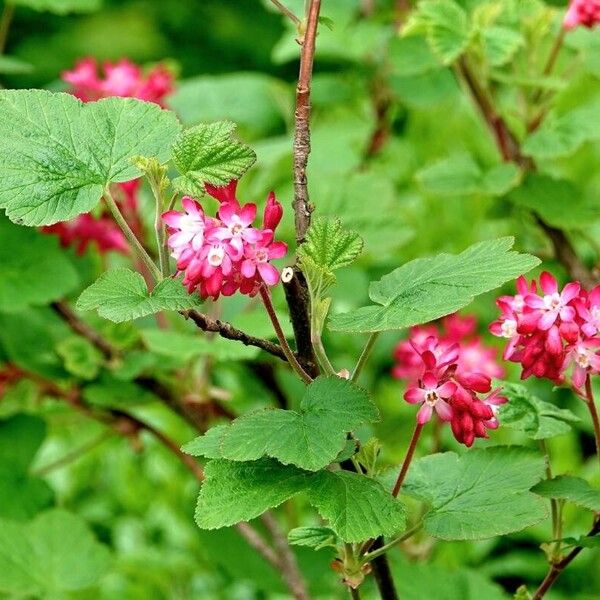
<point x="54" y="554"/>
<point x="313" y="537"/>
<point x="311" y="438"/>
<point x="34" y="270"/>
<point x="500" y="44"/>
<point x="208" y="153"/>
<point x="527" y="413"/>
<point x="572" y="489"/>
<point x="121" y="295"/>
<point x="80" y="357"/>
<point x="58" y="154"/>
<point x="481" y="494"/>
<point x="356" y="507"/>
<point x="429" y="288"/>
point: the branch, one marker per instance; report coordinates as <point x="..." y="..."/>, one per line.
<point x="510" y="150"/>
<point x="557" y="568"/>
<point x="287" y="12"/>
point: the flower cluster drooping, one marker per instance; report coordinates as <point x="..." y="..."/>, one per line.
<point x="225" y="254"/>
<point x="450" y="372"/>
<point x="122" y="78"/>
<point x="551" y="332"/>
<point x="582" y="12"/>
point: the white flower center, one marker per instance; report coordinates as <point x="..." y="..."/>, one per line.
<point x="595" y="312"/>
<point x="262" y="255"/>
<point x="552" y="301"/>
<point x="518" y="303"/>
<point x="431" y="397"/>
<point x="582" y="358"/>
<point x="191" y="224"/>
<point x="509" y="328"/>
<point x="215" y="256"/>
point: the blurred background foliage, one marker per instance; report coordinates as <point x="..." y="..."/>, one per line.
<point x="400" y="154"/>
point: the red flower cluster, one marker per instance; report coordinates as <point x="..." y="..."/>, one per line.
<point x="551" y="332"/>
<point x="225" y="254"/>
<point x="582" y="12"/>
<point x="447" y="372"/>
<point x="120" y="79"/>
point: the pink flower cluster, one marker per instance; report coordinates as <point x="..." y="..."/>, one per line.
<point x="447" y="372"/>
<point x="550" y="332"/>
<point x="122" y="78"/>
<point x="225" y="254"/>
<point x="582" y="12"/>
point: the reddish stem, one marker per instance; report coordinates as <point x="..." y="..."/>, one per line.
<point x="407" y="459"/>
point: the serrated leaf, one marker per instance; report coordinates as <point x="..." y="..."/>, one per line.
<point x="34" y="270"/>
<point x="311" y="438"/>
<point x="548" y="197"/>
<point x="448" y="29"/>
<point x="564" y="134"/>
<point x="313" y="537"/>
<point x="356" y="507"/>
<point x="481" y="494"/>
<point x="586" y="541"/>
<point x="500" y="44"/>
<point x="54" y="554"/>
<point x="208" y="153"/>
<point x="429" y="288"/>
<point x="329" y="245"/>
<point x="59" y="154"/>
<point x="121" y="295"/>
<point x="572" y="489"/>
<point x="527" y="413"/>
<point x="61" y="7"/>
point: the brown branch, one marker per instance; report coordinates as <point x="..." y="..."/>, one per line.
<point x="383" y="574"/>
<point x="289" y="566"/>
<point x="558" y="567"/>
<point x="510" y="150"/>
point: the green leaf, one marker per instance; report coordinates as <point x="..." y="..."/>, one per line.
<point x="311" y="438"/>
<point x="313" y="537"/>
<point x="586" y="541"/>
<point x="572" y="489"/>
<point x="481" y="494"/>
<point x="525" y="412"/>
<point x="80" y="357"/>
<point x="448" y="29"/>
<point x="549" y="196"/>
<point x="500" y="44"/>
<point x="34" y="270"/>
<point x="110" y="392"/>
<point x="563" y="135"/>
<point x="356" y="507"/>
<point x="61" y="7"/>
<point x="58" y="154"/>
<point x="460" y="175"/>
<point x="9" y="65"/>
<point x="121" y="295"/>
<point x="411" y="56"/>
<point x="21" y="495"/>
<point x="429" y="288"/>
<point x="208" y="153"/>
<point x="187" y="346"/>
<point x="53" y="554"/>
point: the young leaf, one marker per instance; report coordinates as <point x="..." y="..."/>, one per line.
<point x="58" y="154"/>
<point x="81" y="358"/>
<point x="356" y="507"/>
<point x="500" y="44"/>
<point x="54" y="554"/>
<point x="313" y="537"/>
<point x="525" y="412"/>
<point x="310" y="439"/>
<point x="572" y="489"/>
<point x="428" y="288"/>
<point x="34" y="270"/>
<point x="121" y="295"/>
<point x="208" y="153"/>
<point x="480" y="494"/>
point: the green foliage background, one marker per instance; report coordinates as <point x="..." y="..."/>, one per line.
<point x="436" y="185"/>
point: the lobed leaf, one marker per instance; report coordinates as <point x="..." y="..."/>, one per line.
<point x="572" y="489"/>
<point x="429" y="288"/>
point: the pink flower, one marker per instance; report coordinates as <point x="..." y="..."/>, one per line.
<point x="257" y="256"/>
<point x="433" y="396"/>
<point x="187" y="228"/>
<point x="553" y="304"/>
<point x="588" y="308"/>
<point x="238" y="228"/>
<point x="585" y="358"/>
<point x="582" y="12"/>
<point x="273" y="213"/>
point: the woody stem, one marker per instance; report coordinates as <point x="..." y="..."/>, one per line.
<point x="591" y="404"/>
<point x="407" y="459"/>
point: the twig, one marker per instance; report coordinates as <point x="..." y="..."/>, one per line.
<point x="557" y="568"/>
<point x="289" y="566"/>
<point x="552" y="57"/>
<point x="591" y="404"/>
<point x="554" y="508"/>
<point x="383" y="574"/>
<point x="354" y="593"/>
<point x="131" y="238"/>
<point x="364" y="355"/>
<point x="291" y="358"/>
<point x="407" y="459"/>
<point x="383" y="549"/>
<point x="287" y="12"/>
